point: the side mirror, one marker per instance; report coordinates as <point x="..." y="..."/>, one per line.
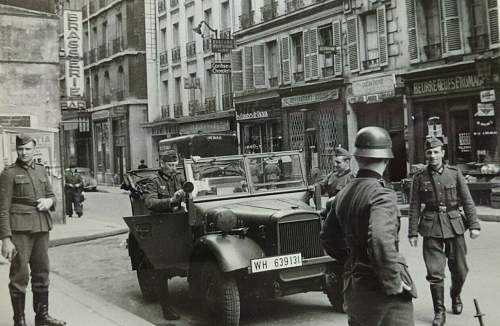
<point x="188" y="187"/>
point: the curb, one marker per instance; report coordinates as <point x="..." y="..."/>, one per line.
<point x="83" y="238"/>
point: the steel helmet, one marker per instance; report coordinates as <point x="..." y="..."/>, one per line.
<point x="373" y="142"/>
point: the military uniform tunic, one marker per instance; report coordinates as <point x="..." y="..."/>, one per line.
<point x="159" y="189"/>
<point x="20" y="187"/>
<point x="361" y="230"/>
<point x="334" y="182"/>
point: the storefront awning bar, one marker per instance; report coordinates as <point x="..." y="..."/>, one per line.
<point x="256" y="97"/>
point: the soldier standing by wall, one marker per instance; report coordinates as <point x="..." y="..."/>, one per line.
<point x="442" y="188"/>
<point x="73" y="188"/>
<point x="361" y="230"/>
<point x="25" y="222"/>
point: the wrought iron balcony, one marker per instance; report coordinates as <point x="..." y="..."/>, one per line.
<point x="293" y="5"/>
<point x="103" y="53"/>
<point x="371" y="63"/>
<point x="328" y="71"/>
<point x="194" y="107"/>
<point x="479" y="42"/>
<point x="269" y="11"/>
<point x="298" y="76"/>
<point x="433" y="51"/>
<point x="163" y="59"/>
<point x="227" y="102"/>
<point x="273" y="82"/>
<point x="225" y="33"/>
<point x="191" y="49"/>
<point x="246" y="20"/>
<point x="176" y="54"/>
<point x="162" y="7"/>
<point x="174" y="4"/>
<point x="165" y="111"/>
<point x="210" y="104"/>
<point x="178" y="110"/>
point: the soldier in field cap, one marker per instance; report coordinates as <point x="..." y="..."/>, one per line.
<point x="442" y="224"/>
<point x="341" y="174"/>
<point x="25" y="201"/>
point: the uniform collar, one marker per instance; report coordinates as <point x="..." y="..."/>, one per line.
<point x="343" y="173"/>
<point x="24" y="165"/>
<point x="438" y="170"/>
<point x="363" y="173"/>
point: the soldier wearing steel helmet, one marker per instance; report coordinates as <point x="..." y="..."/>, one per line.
<point x="441" y="189"/>
<point x="361" y="230"/>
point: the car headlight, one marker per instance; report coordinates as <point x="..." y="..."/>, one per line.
<point x="226" y="220"/>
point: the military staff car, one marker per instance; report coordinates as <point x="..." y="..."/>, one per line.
<point x="243" y="234"/>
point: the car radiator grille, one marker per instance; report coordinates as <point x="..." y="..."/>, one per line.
<point x="300" y="236"/>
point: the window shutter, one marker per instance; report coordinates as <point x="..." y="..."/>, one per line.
<point x="237" y="71"/>
<point x="259" y="72"/>
<point x="248" y="68"/>
<point x="382" y="37"/>
<point x="493" y="28"/>
<point x="337" y="42"/>
<point x="452" y="36"/>
<point x="352" y="43"/>
<point x="313" y="53"/>
<point x="413" y="50"/>
<point x="285" y="60"/>
<point x="307" y="54"/>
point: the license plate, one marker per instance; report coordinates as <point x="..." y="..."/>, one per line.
<point x="275" y="262"/>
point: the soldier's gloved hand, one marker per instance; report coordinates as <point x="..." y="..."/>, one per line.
<point x="404" y="287"/>
<point x="474" y="233"/>
<point x="44" y="204"/>
<point x="178" y="197"/>
<point x="8" y="249"/>
<point x="413" y="241"/>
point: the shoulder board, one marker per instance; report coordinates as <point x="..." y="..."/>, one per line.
<point x="39" y="164"/>
<point x="420" y="171"/>
<point x="452" y="167"/>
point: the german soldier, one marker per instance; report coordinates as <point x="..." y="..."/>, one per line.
<point x="340" y="176"/>
<point x="361" y="230"/>
<point x="25" y="223"/>
<point x="163" y="193"/>
<point x="73" y="191"/>
<point x="442" y="189"/>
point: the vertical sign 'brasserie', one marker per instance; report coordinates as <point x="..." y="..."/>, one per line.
<point x="74" y="53"/>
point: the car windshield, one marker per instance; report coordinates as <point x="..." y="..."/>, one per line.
<point x="240" y="175"/>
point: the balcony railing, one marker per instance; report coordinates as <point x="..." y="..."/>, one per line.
<point x="269" y="11"/>
<point x="162" y="6"/>
<point x="165" y="111"/>
<point x="207" y="45"/>
<point x="225" y="33"/>
<point x="328" y="71"/>
<point x="191" y="49"/>
<point x="371" y="63"/>
<point x="174" y="4"/>
<point x="163" y="59"/>
<point x="273" y="82"/>
<point x="246" y="20"/>
<point x="194" y="107"/>
<point x="120" y="95"/>
<point x="176" y="54"/>
<point x="227" y="102"/>
<point x="433" y="51"/>
<point x="479" y="42"/>
<point x="298" y="76"/>
<point x="92" y="7"/>
<point x="84" y="12"/>
<point x="293" y="5"/>
<point x="103" y="53"/>
<point x="178" y="110"/>
<point x="210" y="104"/>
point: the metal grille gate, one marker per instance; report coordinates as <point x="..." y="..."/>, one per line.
<point x="296" y="130"/>
<point x="327" y="139"/>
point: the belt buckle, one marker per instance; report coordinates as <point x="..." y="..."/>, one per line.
<point x="442" y="209"/>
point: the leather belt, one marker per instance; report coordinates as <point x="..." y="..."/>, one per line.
<point x="441" y="209"/>
<point x="24" y="201"/>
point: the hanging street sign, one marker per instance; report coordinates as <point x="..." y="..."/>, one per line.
<point x="222" y="45"/>
<point x="221" y="68"/>
<point x="324" y="49"/>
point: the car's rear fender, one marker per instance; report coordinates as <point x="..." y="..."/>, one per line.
<point x="231" y="251"/>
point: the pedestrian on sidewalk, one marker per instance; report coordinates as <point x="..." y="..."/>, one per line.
<point x="73" y="190"/>
<point x="25" y="222"/>
<point x="361" y="230"/>
<point x="442" y="189"/>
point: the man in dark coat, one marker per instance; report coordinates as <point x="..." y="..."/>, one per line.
<point x="361" y="230"/>
<point x="163" y="193"/>
<point x="73" y="188"/>
<point x="25" y="200"/>
<point x="442" y="189"/>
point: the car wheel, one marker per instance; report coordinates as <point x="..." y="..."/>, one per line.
<point x="334" y="286"/>
<point x="220" y="295"/>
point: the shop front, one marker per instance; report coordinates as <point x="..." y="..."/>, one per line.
<point x="375" y="102"/>
<point x="315" y="122"/>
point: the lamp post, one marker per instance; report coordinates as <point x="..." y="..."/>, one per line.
<point x="197" y="29"/>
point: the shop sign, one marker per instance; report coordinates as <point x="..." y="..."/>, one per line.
<point x="119" y="111"/>
<point x="163" y="130"/>
<point x="252" y="115"/>
<point x="73" y="104"/>
<point x="15" y="120"/>
<point x="325" y="49"/>
<point x="485" y="110"/>
<point x="373" y="86"/>
<point x="221" y="67"/>
<point x="447" y="84"/>
<point x="222" y="44"/>
<point x="310" y="98"/>
<point x="100" y="115"/>
<point x="73" y="50"/>
<point x="488" y="96"/>
<point x="373" y="98"/>
<point x="205" y="126"/>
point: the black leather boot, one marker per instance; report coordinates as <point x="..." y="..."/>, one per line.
<point x="456" y="302"/>
<point x="41" y="307"/>
<point x="18" y="300"/>
<point x="437" y="292"/>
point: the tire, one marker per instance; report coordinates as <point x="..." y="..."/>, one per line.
<point x="220" y="295"/>
<point x="334" y="285"/>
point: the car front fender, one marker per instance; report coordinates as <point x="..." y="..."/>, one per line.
<point x="232" y="252"/>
